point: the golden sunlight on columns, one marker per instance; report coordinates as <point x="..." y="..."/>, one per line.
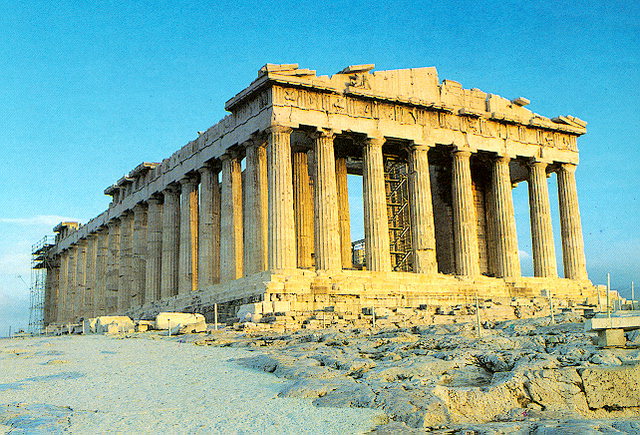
<point x="376" y="225"/>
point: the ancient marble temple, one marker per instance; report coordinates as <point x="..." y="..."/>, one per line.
<point x="257" y="208"/>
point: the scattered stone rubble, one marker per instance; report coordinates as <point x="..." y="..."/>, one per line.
<point x="521" y="375"/>
<point x="432" y="369"/>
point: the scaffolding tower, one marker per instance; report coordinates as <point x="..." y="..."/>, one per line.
<point x="39" y="263"/>
<point x="396" y="174"/>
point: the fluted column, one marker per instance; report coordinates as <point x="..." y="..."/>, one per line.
<point x="81" y="283"/>
<point x="344" y="218"/>
<point x="125" y="262"/>
<point x="208" y="228"/>
<point x="187" y="263"/>
<point x="544" y="254"/>
<point x="153" y="263"/>
<point x="256" y="230"/>
<point x="507" y="261"/>
<point x="112" y="274"/>
<point x="71" y="284"/>
<point x="303" y="210"/>
<point x="575" y="265"/>
<point x="376" y="221"/>
<point x="67" y="293"/>
<point x="170" y="242"/>
<point x="422" y="226"/>
<point x="464" y="216"/>
<point x="138" y="264"/>
<point x="63" y="293"/>
<point x="231" y="231"/>
<point x="102" y="254"/>
<point x="328" y="255"/>
<point x="90" y="276"/>
<point x="282" y="243"/>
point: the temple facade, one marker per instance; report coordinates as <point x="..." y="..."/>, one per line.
<point x="257" y="208"/>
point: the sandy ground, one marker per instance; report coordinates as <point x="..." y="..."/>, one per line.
<point x="97" y="384"/>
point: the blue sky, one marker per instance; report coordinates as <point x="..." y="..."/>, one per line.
<point x="87" y="91"/>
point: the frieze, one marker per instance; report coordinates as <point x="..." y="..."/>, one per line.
<point x="414" y="115"/>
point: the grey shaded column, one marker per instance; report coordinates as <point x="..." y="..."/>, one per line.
<point x="187" y="263"/>
<point x="422" y="225"/>
<point x="544" y="253"/>
<point x="79" y="310"/>
<point x="208" y="228"/>
<point x="138" y="264"/>
<point x="153" y="264"/>
<point x="376" y="221"/>
<point x="464" y="216"/>
<point x="256" y="229"/>
<point x="344" y="218"/>
<point x="508" y="260"/>
<point x="170" y="242"/>
<point x="327" y="246"/>
<point x="71" y="284"/>
<point x="102" y="255"/>
<point x="303" y="210"/>
<point x="282" y="236"/>
<point x="575" y="265"/>
<point x="90" y="276"/>
<point x="113" y="274"/>
<point x="231" y="231"/>
<point x="63" y="287"/>
<point x="125" y="263"/>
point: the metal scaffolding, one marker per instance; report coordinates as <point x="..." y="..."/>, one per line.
<point x="39" y="263"/>
<point x="396" y="173"/>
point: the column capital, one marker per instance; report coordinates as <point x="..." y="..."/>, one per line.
<point x="172" y="188"/>
<point x="141" y="206"/>
<point x="374" y="142"/>
<point x="113" y="221"/>
<point x="277" y="128"/>
<point x="188" y="181"/>
<point x="502" y="159"/>
<point x="322" y="133"/>
<point x="154" y="199"/>
<point x="462" y="152"/>
<point x="418" y="147"/>
<point x="568" y="167"/>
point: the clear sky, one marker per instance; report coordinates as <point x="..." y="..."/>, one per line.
<point x="90" y="89"/>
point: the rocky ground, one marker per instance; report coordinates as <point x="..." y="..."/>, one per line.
<point x="519" y="376"/>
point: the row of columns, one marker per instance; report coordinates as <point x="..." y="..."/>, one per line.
<point x="197" y="233"/>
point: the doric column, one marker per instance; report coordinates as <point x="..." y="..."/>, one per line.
<point x="90" y="276"/>
<point x="209" y="228"/>
<point x="153" y="263"/>
<point x="50" y="291"/>
<point x="125" y="264"/>
<point x="102" y="255"/>
<point x="256" y="230"/>
<point x="344" y="218"/>
<point x="325" y="204"/>
<point x="464" y="216"/>
<point x="575" y="266"/>
<point x="170" y="241"/>
<point x="421" y="207"/>
<point x="187" y="264"/>
<point x="81" y="283"/>
<point x="231" y="238"/>
<point x="113" y="274"/>
<point x="507" y="261"/>
<point x="544" y="253"/>
<point x="61" y="286"/>
<point x="282" y="243"/>
<point x="376" y="221"/>
<point x="67" y="295"/>
<point x="303" y="210"/>
<point x="138" y="264"/>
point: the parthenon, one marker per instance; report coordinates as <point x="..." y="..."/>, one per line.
<point x="257" y="208"/>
